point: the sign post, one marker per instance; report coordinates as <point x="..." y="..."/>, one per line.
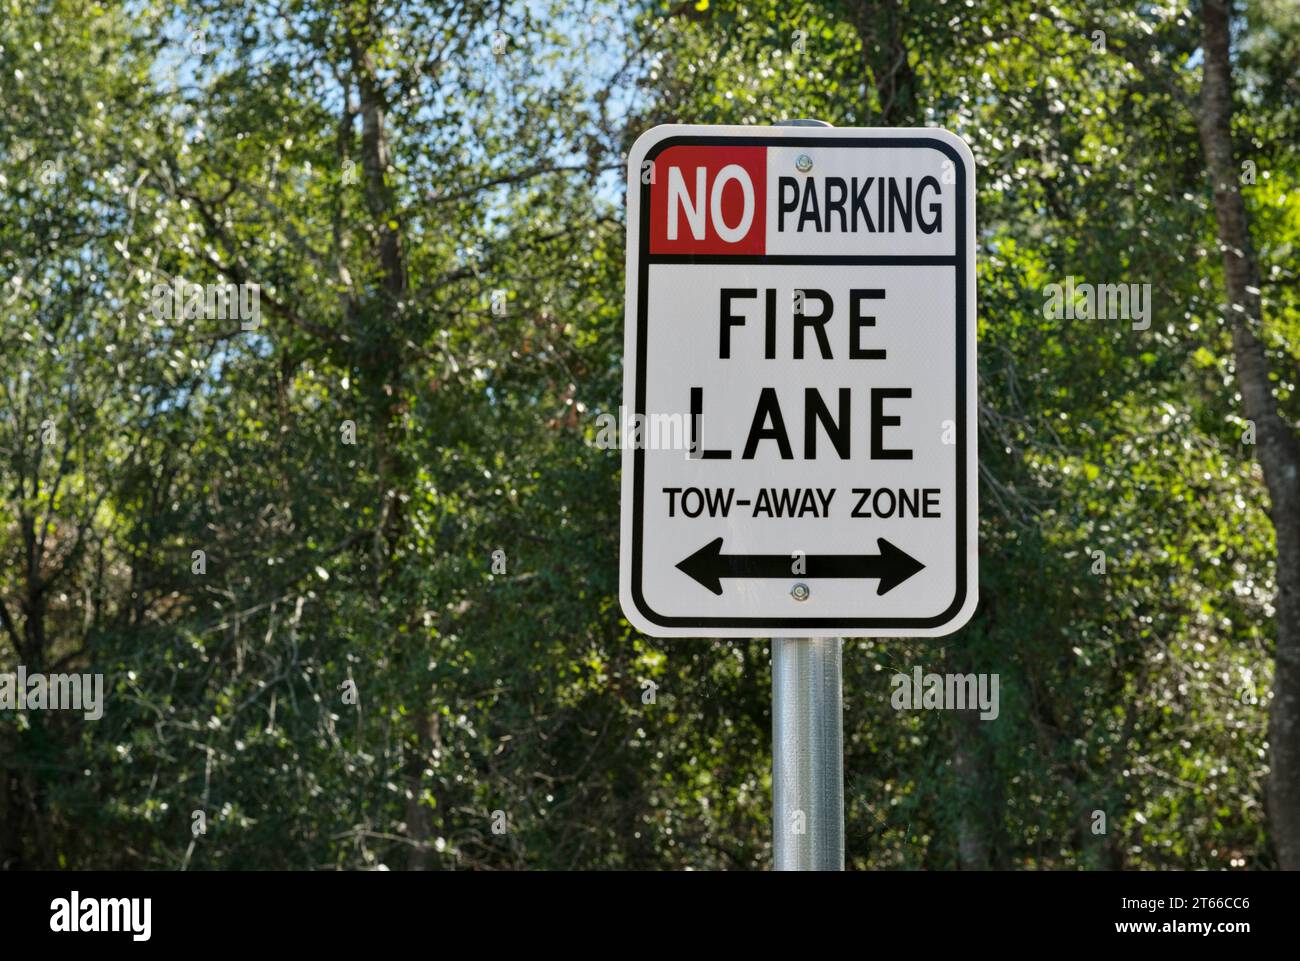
<point x="799" y="413"/>
<point x="807" y="754"/>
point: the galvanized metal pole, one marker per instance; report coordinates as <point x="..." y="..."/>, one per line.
<point x="807" y="741"/>
<point x="807" y="754"/>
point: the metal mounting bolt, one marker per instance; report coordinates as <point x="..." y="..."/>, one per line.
<point x="803" y="163"/>
<point x="800" y="592"/>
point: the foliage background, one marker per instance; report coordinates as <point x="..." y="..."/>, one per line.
<point x="380" y="169"/>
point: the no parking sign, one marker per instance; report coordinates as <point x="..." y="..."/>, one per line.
<point x="800" y="365"/>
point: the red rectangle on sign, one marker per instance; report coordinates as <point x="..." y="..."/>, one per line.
<point x="708" y="200"/>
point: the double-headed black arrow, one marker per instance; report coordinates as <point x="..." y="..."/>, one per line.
<point x="891" y="566"/>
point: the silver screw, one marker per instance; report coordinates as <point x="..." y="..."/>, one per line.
<point x="803" y="163"/>
<point x="800" y="592"/>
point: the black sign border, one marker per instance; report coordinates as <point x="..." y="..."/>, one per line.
<point x="762" y="624"/>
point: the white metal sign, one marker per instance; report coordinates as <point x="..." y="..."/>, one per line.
<point x="799" y="385"/>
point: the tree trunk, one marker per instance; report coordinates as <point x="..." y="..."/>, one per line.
<point x="970" y="772"/>
<point x="383" y="362"/>
<point x="1276" y="444"/>
<point x="884" y="60"/>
